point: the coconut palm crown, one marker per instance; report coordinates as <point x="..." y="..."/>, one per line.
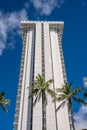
<point x="40" y="88"/>
<point x="66" y="95"/>
<point x="3" y="101"/>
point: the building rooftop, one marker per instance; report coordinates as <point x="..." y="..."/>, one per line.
<point x="59" y="22"/>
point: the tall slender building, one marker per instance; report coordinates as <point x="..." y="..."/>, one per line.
<point x="41" y="54"/>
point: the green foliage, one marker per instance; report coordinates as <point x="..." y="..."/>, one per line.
<point x="66" y="94"/>
<point x="4" y="101"/>
<point x="39" y="87"/>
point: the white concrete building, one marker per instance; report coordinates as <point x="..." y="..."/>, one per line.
<point x="41" y="54"/>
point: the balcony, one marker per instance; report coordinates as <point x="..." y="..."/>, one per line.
<point x="18" y="97"/>
<point x="15" y="125"/>
<point x="19" y="91"/>
<point x="17" y="110"/>
<point x="17" y="104"/>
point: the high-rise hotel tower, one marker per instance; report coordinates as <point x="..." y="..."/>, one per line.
<point x="41" y="54"/>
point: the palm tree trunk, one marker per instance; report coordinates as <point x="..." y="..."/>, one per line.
<point x="43" y="113"/>
<point x="72" y="127"/>
<point x="72" y="120"/>
<point x="56" y="116"/>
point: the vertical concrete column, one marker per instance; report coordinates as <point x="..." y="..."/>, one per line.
<point x="50" y="109"/>
<point x="37" y="109"/>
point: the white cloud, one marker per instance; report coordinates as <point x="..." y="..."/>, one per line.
<point x="45" y="7"/>
<point x="10" y="22"/>
<point x="2" y="46"/>
<point x="9" y="27"/>
<point x="37" y="3"/>
<point x="81" y="118"/>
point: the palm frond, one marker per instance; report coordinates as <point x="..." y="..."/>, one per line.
<point x="37" y="97"/>
<point x="57" y="99"/>
<point x="66" y="88"/>
<point x="70" y="85"/>
<point x="3" y="104"/>
<point x="3" y="107"/>
<point x="62" y="96"/>
<point x="77" y="90"/>
<point x="60" y="89"/>
<point x="40" y="80"/>
<point x="33" y="92"/>
<point x="4" y="101"/>
<point x="48" y="82"/>
<point x="35" y="101"/>
<point x="2" y="94"/>
<point x="79" y="100"/>
<point x="33" y="85"/>
<point x="51" y="93"/>
<point x="61" y="105"/>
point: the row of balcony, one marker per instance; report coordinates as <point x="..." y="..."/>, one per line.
<point x="18" y="96"/>
<point x="62" y="62"/>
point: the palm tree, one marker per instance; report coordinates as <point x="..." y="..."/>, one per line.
<point x="40" y="89"/>
<point x="66" y="95"/>
<point x="3" y="101"/>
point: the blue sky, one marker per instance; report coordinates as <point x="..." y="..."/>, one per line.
<point x="74" y="15"/>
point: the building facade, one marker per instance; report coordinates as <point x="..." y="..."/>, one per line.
<point x="41" y="54"/>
